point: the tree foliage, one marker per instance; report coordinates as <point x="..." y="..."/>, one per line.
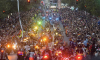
<point x="91" y="6"/>
<point x="64" y="1"/>
<point x="5" y="7"/>
<point x="10" y="6"/>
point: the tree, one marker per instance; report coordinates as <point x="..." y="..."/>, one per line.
<point x="5" y="7"/>
<point x="64" y="1"/>
<point x="91" y="6"/>
<point x="69" y="2"/>
<point x="10" y="6"/>
<point x="81" y="5"/>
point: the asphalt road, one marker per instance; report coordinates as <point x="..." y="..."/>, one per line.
<point x="66" y="39"/>
<point x="12" y="57"/>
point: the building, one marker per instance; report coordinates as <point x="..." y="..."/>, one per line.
<point x="56" y="3"/>
<point x="53" y="1"/>
<point x="50" y="3"/>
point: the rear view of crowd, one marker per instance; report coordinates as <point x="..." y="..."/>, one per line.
<point x="82" y="27"/>
<point x="10" y="26"/>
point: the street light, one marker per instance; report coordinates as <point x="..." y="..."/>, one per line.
<point x="35" y="27"/>
<point x="56" y="33"/>
<point x="36" y="47"/>
<point x="44" y="39"/>
<point x="39" y="22"/>
<point x="8" y="46"/>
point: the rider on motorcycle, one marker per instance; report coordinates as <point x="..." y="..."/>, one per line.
<point x="32" y="55"/>
<point x="46" y="54"/>
<point x="79" y="52"/>
<point x="21" y="54"/>
<point x="79" y="48"/>
<point x="3" y="54"/>
<point x="66" y="52"/>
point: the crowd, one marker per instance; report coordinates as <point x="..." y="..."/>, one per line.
<point x="82" y="27"/>
<point x="10" y="26"/>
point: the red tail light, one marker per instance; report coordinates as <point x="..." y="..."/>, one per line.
<point x="19" y="52"/>
<point x="59" y="52"/>
<point x="45" y="57"/>
<point x="79" y="57"/>
<point x="31" y="58"/>
<point x="2" y="51"/>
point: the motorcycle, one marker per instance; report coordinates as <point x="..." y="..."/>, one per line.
<point x="59" y="55"/>
<point x="20" y="55"/>
<point x="79" y="57"/>
<point x="46" y="56"/>
<point x="3" y="55"/>
<point x="8" y="49"/>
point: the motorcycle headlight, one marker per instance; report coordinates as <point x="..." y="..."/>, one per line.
<point x="14" y="46"/>
<point x="8" y="46"/>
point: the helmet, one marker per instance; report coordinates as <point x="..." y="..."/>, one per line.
<point x="79" y="46"/>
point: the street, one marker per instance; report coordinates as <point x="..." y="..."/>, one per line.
<point x="66" y="39"/>
<point x="12" y="57"/>
<point x="50" y="29"/>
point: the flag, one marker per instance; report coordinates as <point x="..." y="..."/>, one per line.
<point x="35" y="15"/>
<point x="79" y="34"/>
<point x="21" y="34"/>
<point x="32" y="18"/>
<point x="41" y="26"/>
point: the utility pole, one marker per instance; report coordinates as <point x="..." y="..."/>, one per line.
<point x="19" y="18"/>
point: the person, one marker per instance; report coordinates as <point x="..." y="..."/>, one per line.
<point x="79" y="45"/>
<point x="72" y="44"/>
<point x="47" y="52"/>
<point x="79" y="51"/>
<point x="66" y="52"/>
<point x="32" y="55"/>
<point x="85" y="42"/>
<point x="59" y="53"/>
<point x="27" y="55"/>
<point x="3" y="54"/>
<point x="85" y="50"/>
<point x="93" y="49"/>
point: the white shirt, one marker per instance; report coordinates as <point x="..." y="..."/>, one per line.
<point x="62" y="47"/>
<point x="27" y="47"/>
<point x="32" y="54"/>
